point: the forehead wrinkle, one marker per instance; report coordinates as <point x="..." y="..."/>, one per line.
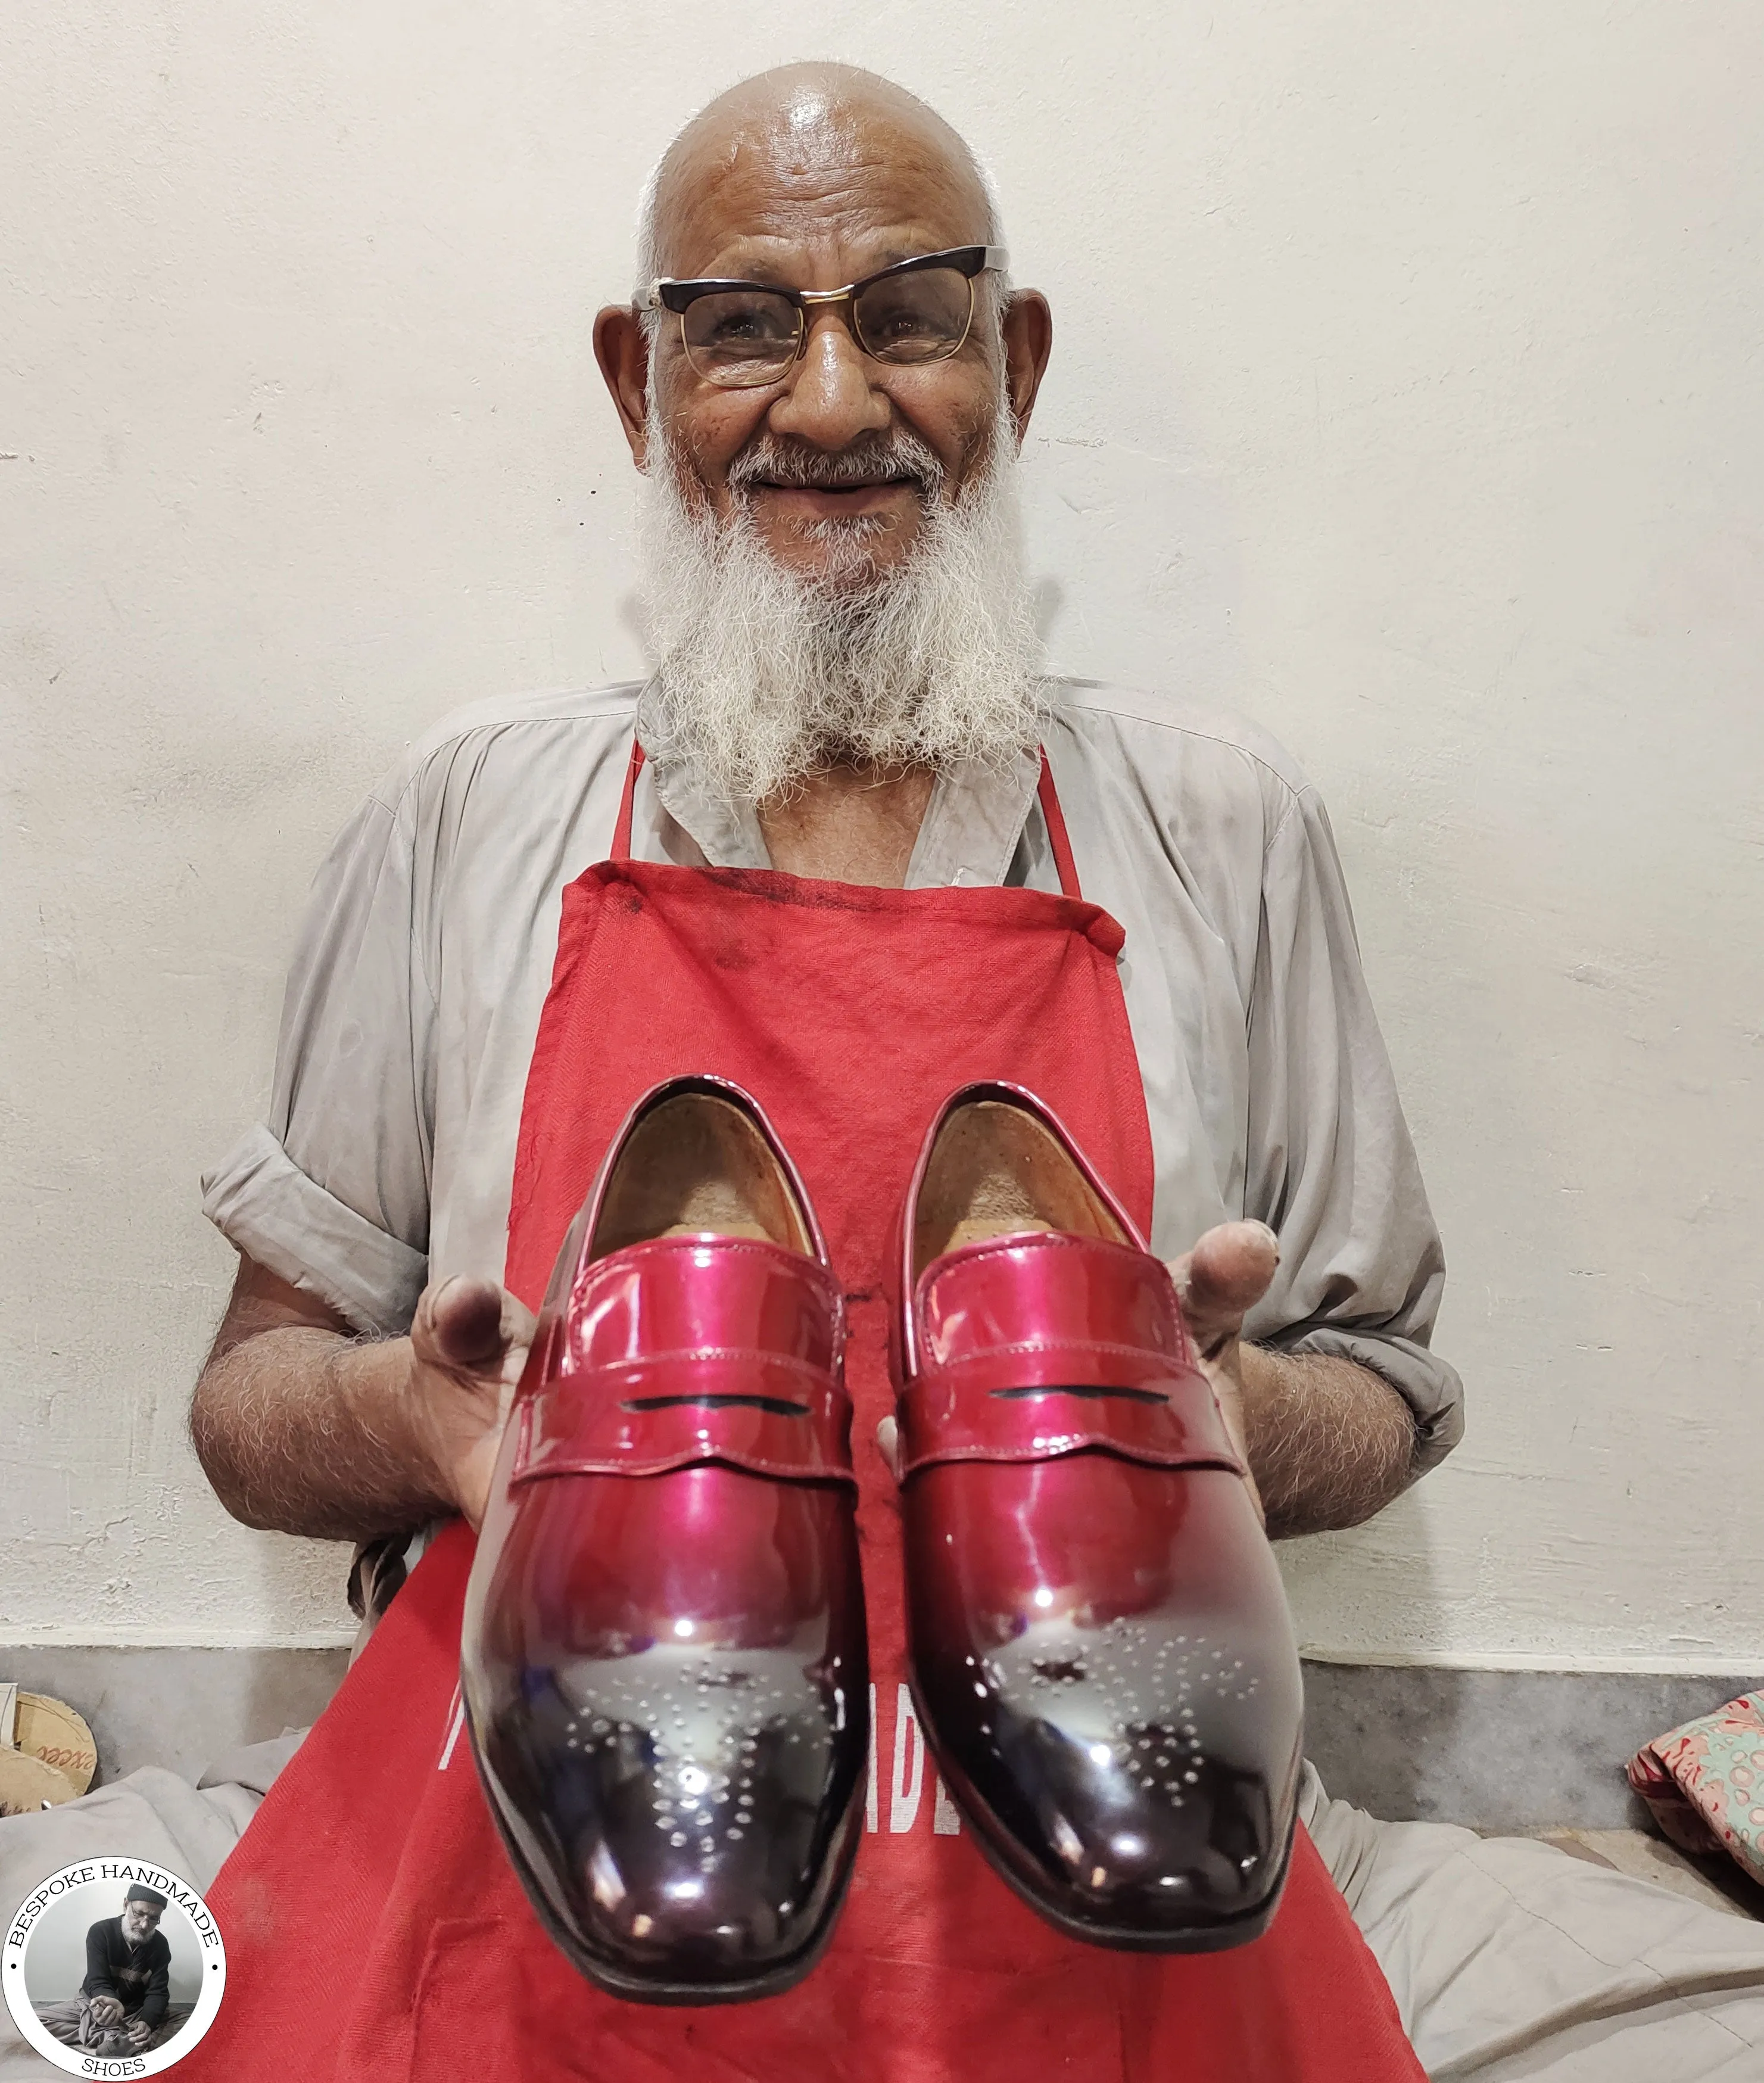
<point x="778" y="172"/>
<point x="820" y="214"/>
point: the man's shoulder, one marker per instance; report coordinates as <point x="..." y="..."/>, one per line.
<point x="570" y="724"/>
<point x="1176" y="745"/>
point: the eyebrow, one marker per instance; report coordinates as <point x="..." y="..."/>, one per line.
<point x="771" y="274"/>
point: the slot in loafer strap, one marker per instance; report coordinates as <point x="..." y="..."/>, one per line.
<point x="695" y="1349"/>
<point x="1033" y="1345"/>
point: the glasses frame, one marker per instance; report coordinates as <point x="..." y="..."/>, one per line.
<point x="667" y="293"/>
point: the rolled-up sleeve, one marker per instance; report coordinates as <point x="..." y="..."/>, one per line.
<point x="331" y="1193"/>
<point x="1329" y="1164"/>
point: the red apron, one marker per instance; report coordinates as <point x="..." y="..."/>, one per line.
<point x="375" y="1930"/>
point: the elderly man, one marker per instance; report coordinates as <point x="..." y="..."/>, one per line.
<point x="845" y="712"/>
<point x="845" y="691"/>
<point x="124" y="2004"/>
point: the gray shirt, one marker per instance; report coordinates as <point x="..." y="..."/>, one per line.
<point x="414" y="995"/>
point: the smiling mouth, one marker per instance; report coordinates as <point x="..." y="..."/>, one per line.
<point x="848" y="486"/>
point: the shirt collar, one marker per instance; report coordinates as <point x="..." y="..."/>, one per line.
<point x="973" y="823"/>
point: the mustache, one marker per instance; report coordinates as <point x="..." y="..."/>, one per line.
<point x="763" y="674"/>
<point x="872" y="459"/>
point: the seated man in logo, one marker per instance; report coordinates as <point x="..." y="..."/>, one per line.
<point x="124" y="2004"/>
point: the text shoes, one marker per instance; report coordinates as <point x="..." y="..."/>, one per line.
<point x="664" y="1659"/>
<point x="1101" y="1654"/>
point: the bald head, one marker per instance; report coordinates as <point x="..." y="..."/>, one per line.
<point x="811" y="136"/>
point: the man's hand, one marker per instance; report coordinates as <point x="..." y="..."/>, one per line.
<point x="468" y="1342"/>
<point x="1329" y="1442"/>
<point x="1217" y="1284"/>
<point x="106" y="2013"/>
<point x="305" y="1428"/>
<point x="141" y="2032"/>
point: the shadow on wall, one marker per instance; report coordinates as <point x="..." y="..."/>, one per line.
<point x="1388" y="1566"/>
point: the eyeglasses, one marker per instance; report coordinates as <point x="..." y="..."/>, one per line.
<point x="742" y="335"/>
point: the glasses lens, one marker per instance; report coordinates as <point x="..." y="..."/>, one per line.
<point x="920" y="317"/>
<point x="740" y="336"/>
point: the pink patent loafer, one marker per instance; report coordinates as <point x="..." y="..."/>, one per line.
<point x="664" y="1659"/>
<point x="1100" y="1650"/>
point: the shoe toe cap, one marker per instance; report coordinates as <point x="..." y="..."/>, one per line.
<point x="685" y="1859"/>
<point x="1123" y="1856"/>
<point x="1138" y="1807"/>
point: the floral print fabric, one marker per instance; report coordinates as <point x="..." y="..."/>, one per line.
<point x="1704" y="1783"/>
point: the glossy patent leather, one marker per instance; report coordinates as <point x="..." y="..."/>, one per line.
<point x="1101" y="1653"/>
<point x="664" y="1663"/>
<point x="692" y="1348"/>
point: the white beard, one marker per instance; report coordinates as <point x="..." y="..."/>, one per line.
<point x="763" y="678"/>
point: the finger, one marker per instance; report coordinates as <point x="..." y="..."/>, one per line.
<point x="465" y="1322"/>
<point x="1224" y="1277"/>
<point x="519" y="1323"/>
<point x="887" y="1440"/>
<point x="475" y="1473"/>
<point x="1230" y="1402"/>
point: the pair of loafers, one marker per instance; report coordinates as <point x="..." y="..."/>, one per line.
<point x="663" y="1658"/>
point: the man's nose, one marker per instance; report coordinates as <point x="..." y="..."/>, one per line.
<point x="830" y="399"/>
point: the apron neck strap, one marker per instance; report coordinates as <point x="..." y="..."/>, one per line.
<point x="1057" y="836"/>
<point x="622" y="830"/>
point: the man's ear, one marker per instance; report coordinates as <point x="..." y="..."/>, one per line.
<point x="1027" y="328"/>
<point x="621" y="348"/>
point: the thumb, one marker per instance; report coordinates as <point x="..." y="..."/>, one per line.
<point x="471" y="1324"/>
<point x="887" y="1440"/>
<point x="1222" y="1278"/>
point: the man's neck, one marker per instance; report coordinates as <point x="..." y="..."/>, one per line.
<point x="849" y="824"/>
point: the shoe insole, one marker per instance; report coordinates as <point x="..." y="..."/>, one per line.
<point x="995" y="1171"/>
<point x="694" y="1164"/>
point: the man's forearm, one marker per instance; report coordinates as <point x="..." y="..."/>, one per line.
<point x="1330" y="1442"/>
<point x="308" y="1431"/>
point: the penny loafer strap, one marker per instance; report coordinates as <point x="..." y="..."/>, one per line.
<point x="692" y="1349"/>
<point x="1177" y="1424"/>
<point x="1032" y="1345"/>
<point x="631" y="1424"/>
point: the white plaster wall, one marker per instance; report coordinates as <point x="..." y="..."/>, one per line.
<point x="1406" y="393"/>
